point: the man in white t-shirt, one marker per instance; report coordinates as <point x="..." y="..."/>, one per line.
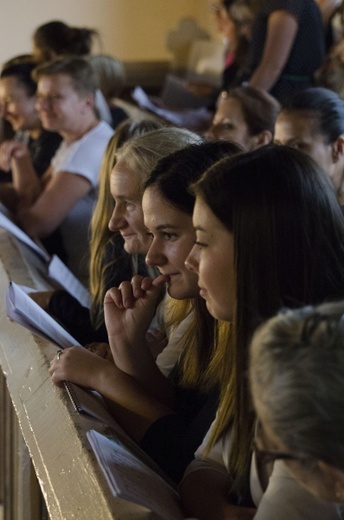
<point x="63" y="198"/>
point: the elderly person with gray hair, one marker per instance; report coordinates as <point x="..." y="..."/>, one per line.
<point x="297" y="383"/>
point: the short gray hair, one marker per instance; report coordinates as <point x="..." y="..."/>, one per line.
<point x="297" y="380"/>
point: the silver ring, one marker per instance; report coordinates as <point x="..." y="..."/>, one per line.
<point x="59" y="352"/>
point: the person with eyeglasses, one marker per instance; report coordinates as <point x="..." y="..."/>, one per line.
<point x="64" y="196"/>
<point x="296" y="376"/>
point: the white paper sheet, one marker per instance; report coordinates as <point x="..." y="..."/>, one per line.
<point x="59" y="272"/>
<point x="129" y="478"/>
<point x="192" y="118"/>
<point x="24" y="310"/>
<point x="7" y="223"/>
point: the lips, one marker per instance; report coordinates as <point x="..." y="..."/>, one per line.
<point x="169" y="274"/>
<point x="202" y="292"/>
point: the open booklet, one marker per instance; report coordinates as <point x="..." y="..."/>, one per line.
<point x="90" y="402"/>
<point x="22" y="309"/>
<point x="192" y="118"/>
<point x="130" y="478"/>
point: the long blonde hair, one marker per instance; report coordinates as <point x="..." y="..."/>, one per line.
<point x="100" y="233"/>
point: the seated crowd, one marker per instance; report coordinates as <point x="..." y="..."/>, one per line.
<point x="215" y="262"/>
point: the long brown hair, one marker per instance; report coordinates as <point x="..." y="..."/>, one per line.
<point x="289" y="250"/>
<point x="172" y="178"/>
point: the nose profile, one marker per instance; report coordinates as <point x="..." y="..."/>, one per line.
<point x="117" y="220"/>
<point x="192" y="262"/>
<point x="154" y="255"/>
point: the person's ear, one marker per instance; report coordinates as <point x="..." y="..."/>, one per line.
<point x="338" y="149"/>
<point x="90" y="99"/>
<point x="333" y="479"/>
<point x="263" y="138"/>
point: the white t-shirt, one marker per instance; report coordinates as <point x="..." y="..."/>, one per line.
<point x="82" y="157"/>
<point x="284" y="498"/>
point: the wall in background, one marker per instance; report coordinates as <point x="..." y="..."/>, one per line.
<point x="131" y="30"/>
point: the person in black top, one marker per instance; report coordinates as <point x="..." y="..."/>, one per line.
<point x="287" y="46"/>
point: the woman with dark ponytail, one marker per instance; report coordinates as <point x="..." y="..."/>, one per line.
<point x="56" y="38"/>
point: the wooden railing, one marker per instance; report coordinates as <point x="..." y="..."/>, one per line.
<point x="40" y="433"/>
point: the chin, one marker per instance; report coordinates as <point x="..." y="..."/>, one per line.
<point x="48" y="124"/>
<point x="134" y="248"/>
<point x="181" y="293"/>
<point x="177" y="293"/>
<point x="217" y="313"/>
<point x="129" y="249"/>
<point x="177" y="296"/>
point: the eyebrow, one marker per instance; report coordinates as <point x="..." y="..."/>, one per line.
<point x="161" y="227"/>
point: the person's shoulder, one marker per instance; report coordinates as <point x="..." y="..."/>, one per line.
<point x="103" y="128"/>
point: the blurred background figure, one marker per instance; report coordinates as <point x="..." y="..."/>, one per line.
<point x="234" y="20"/>
<point x="313" y="122"/>
<point x="63" y="198"/>
<point x="111" y="78"/>
<point x="329" y="10"/>
<point x="331" y="74"/>
<point x="238" y="17"/>
<point x="18" y="99"/>
<point x="287" y="46"/>
<point x="246" y="115"/>
<point x="56" y="38"/>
